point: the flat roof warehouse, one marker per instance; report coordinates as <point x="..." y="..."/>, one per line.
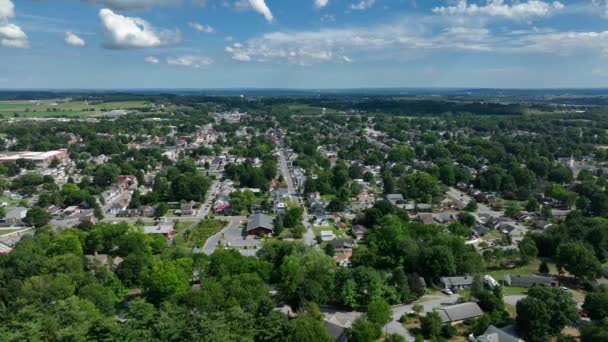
<point x="34" y="156"/>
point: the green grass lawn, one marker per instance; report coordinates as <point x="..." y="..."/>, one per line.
<point x="61" y="107"/>
<point x="327" y="198"/>
<point x="530" y="268"/>
<point x="203" y="230"/>
<point x="181" y="225"/>
<point x="337" y="232"/>
<point x="514" y="291"/>
<point x="511" y="310"/>
<point x="9" y="200"/>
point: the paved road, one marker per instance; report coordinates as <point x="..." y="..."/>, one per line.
<point x="232" y="231"/>
<point x="520" y="230"/>
<point x="203" y="209"/>
<point x="309" y="236"/>
<point x="286" y="175"/>
<point x="465" y="199"/>
<point x="428" y="303"/>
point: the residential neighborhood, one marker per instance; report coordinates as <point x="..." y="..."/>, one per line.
<point x="405" y="227"/>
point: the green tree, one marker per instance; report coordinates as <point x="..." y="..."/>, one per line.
<point x="596" y="332"/>
<point x="37" y="217"/>
<point x="161" y="209"/>
<point x="527" y="250"/>
<point x="430" y="325"/>
<point x="466" y="219"/>
<point x="401" y="154"/>
<point x="166" y="278"/>
<point x="532" y="205"/>
<point x="394" y="338"/>
<point x="471" y="206"/>
<point x="307" y="329"/>
<point x="103" y="297"/>
<point x="307" y="277"/>
<point x="481" y="324"/>
<point x="543" y="268"/>
<point x="447" y="174"/>
<point x="379" y="312"/>
<point x="417" y="308"/>
<point x="596" y="303"/>
<point x="362" y="330"/>
<point x="329" y="249"/>
<point x="389" y="183"/>
<point x="438" y="261"/>
<point x="544" y="313"/>
<point x="579" y="260"/>
<point x="533" y="320"/>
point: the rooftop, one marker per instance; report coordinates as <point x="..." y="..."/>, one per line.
<point x="460" y="312"/>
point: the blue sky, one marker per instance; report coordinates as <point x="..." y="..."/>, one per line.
<point x="303" y="43"/>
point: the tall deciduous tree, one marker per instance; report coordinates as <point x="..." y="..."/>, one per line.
<point x="579" y="260"/>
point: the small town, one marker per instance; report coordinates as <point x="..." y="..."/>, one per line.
<point x="303" y="171"/>
<point x="447" y="241"/>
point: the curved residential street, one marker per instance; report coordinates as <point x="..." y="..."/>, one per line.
<point x="428" y="302"/>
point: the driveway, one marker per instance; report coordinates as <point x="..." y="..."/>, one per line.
<point x="345" y="318"/>
<point x="512" y="300"/>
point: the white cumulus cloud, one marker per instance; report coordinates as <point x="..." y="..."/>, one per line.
<point x="201" y="27"/>
<point x="514" y="10"/>
<point x="72" y="39"/>
<point x="7" y="9"/>
<point x="321" y="3"/>
<point x="261" y="7"/>
<point x="124" y="32"/>
<point x="362" y="5"/>
<point x="152" y="60"/>
<point x="190" y="61"/>
<point x="11" y="35"/>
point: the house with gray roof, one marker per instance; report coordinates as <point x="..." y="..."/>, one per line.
<point x="494" y="334"/>
<point x="457" y="313"/>
<point x="456" y="283"/>
<point x="13" y="216"/>
<point x="444" y="218"/>
<point x="519" y="280"/>
<point x="358" y="231"/>
<point x="259" y="223"/>
<point x="337" y="332"/>
<point x="394" y="198"/>
<point x="162" y="228"/>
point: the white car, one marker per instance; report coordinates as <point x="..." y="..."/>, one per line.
<point x="448" y="292"/>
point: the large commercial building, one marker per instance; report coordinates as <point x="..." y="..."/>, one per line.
<point x="42" y="158"/>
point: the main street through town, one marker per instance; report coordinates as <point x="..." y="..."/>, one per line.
<point x="309" y="235"/>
